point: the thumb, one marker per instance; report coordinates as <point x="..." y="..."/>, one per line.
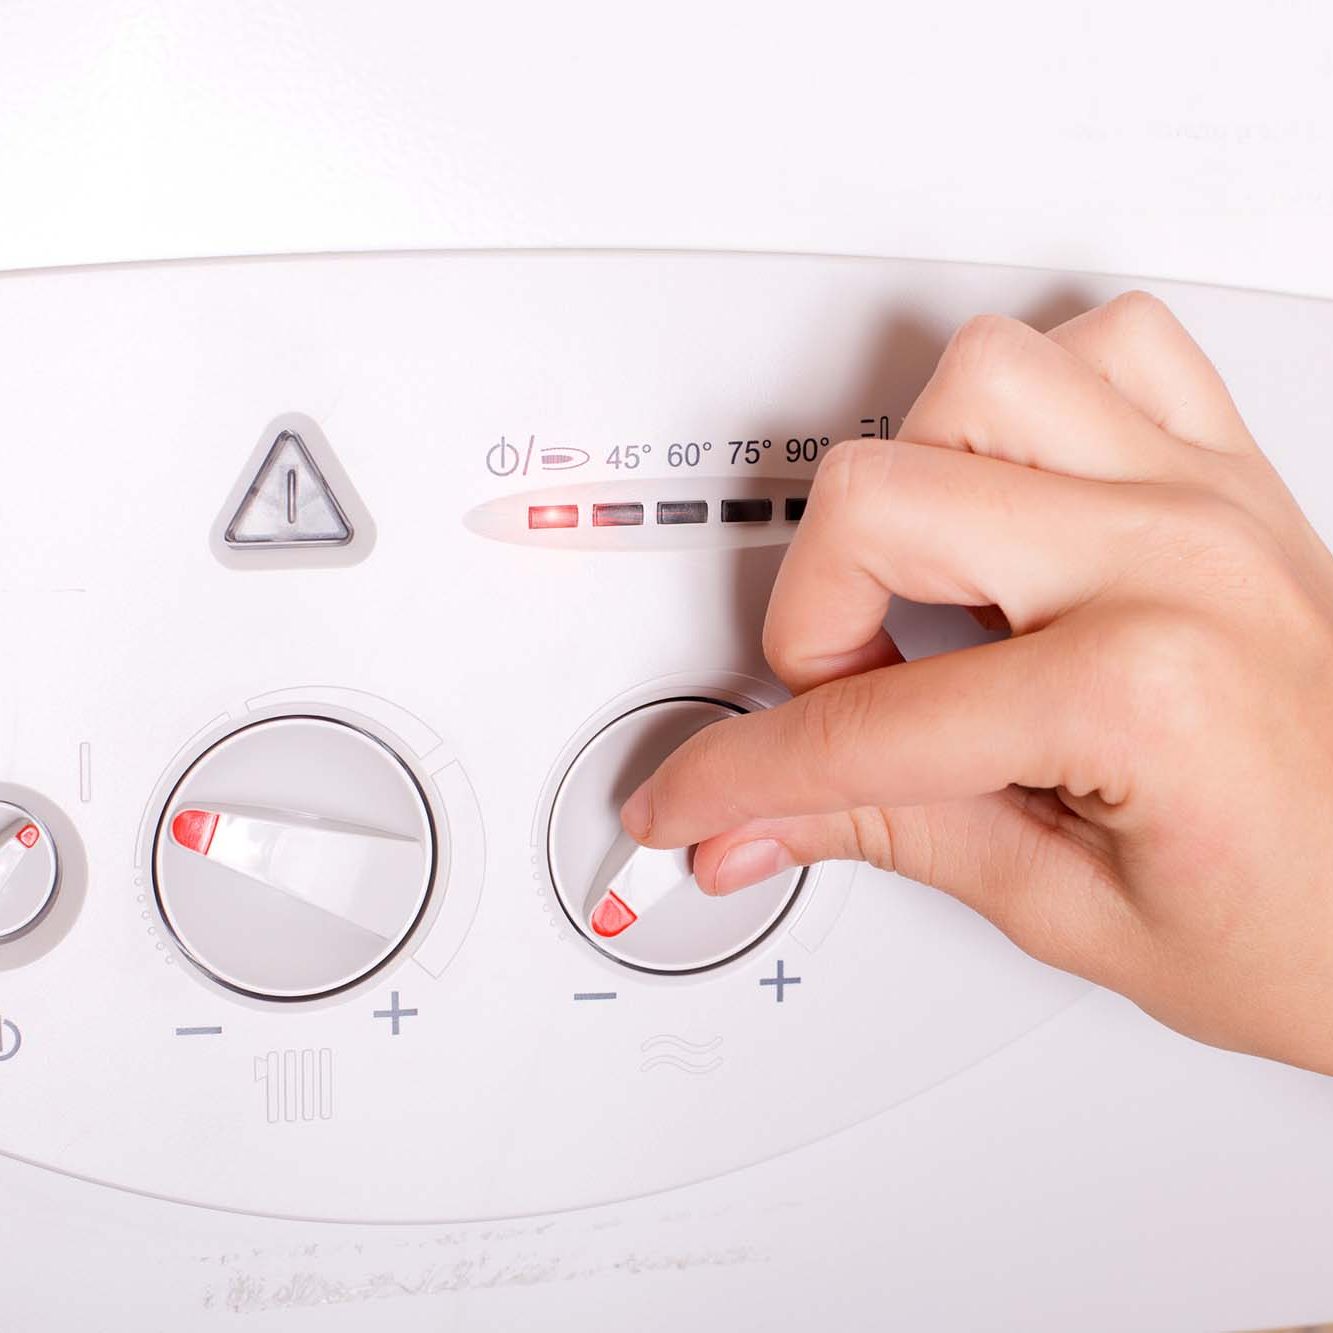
<point x="1017" y="857"/>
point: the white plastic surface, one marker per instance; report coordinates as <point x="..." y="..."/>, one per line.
<point x="1178" y="140"/>
<point x="927" y="1130"/>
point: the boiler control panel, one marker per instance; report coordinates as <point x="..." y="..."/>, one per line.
<point x="347" y="598"/>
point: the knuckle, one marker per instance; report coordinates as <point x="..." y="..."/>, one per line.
<point x="1189" y="518"/>
<point x="1137" y="316"/>
<point x="1176" y="649"/>
<point x="843" y="526"/>
<point x="781" y="655"/>
<point x="872" y="836"/>
<point x="1161" y="662"/>
<point x="1137" y="312"/>
<point x="781" y="651"/>
<point x="1218" y="537"/>
<point x="1239" y="541"/>
<point x="984" y="347"/>
<point x="850" y="469"/>
<point x="773" y="642"/>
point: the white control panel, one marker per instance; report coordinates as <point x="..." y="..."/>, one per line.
<point x="356" y="595"/>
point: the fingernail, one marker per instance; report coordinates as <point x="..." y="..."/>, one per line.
<point x="637" y="813"/>
<point x="749" y="862"/>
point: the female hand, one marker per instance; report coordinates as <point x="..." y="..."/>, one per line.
<point x="1137" y="785"/>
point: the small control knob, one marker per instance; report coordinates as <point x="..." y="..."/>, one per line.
<point x="294" y="857"/>
<point x="29" y="870"/>
<point x="641" y="905"/>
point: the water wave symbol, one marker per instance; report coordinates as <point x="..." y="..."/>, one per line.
<point x="667" y="1050"/>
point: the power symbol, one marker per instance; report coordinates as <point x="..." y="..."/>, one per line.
<point x="502" y="458"/>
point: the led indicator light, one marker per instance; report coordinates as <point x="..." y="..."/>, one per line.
<point x="553" y="516"/>
<point x="617" y="515"/>
<point x="747" y="511"/>
<point x="670" y="512"/>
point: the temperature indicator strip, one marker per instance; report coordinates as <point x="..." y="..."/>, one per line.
<point x="670" y="513"/>
<point x="722" y="511"/>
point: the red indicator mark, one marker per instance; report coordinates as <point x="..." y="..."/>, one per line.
<point x="29" y="834"/>
<point x="611" y="917"/>
<point x="194" y="829"/>
<point x="553" y="516"/>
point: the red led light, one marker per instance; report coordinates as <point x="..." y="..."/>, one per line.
<point x="553" y="516"/>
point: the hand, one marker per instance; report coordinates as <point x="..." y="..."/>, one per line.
<point x="1137" y="785"/>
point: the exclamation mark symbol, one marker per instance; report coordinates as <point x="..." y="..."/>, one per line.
<point x="291" y="496"/>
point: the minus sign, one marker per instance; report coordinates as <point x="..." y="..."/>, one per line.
<point x="595" y="995"/>
<point x="199" y="1032"/>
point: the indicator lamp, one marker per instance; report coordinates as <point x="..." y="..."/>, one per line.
<point x="553" y="516"/>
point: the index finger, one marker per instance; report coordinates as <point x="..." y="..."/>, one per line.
<point x="943" y="728"/>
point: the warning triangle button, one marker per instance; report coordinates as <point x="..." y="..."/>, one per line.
<point x="289" y="503"/>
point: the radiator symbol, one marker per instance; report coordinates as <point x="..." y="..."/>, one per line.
<point x="298" y="1085"/>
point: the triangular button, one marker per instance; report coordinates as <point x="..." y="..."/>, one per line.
<point x="289" y="503"/>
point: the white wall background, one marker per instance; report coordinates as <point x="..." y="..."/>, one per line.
<point x="1182" y="140"/>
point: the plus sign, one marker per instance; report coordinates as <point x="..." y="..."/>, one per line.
<point x="779" y="981"/>
<point x="393" y="1013"/>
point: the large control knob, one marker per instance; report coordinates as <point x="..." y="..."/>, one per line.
<point x="29" y="870"/>
<point x="294" y="857"/>
<point x="639" y="906"/>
